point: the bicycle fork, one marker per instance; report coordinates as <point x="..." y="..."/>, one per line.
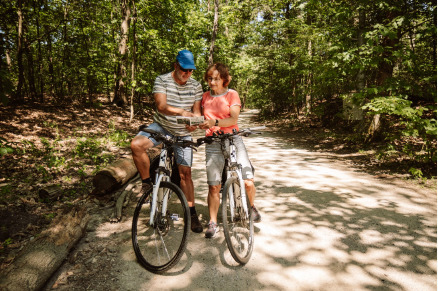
<point x="157" y="193"/>
<point x="235" y="168"/>
<point x="242" y="194"/>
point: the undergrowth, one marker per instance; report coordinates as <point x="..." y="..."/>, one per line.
<point x="66" y="160"/>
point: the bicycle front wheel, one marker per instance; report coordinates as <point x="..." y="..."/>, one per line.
<point x="159" y="247"/>
<point x="238" y="227"/>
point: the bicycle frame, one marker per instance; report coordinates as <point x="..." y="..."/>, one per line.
<point x="236" y="168"/>
<point x="162" y="175"/>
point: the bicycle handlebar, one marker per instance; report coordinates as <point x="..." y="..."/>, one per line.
<point x="168" y="140"/>
<point x="220" y="135"/>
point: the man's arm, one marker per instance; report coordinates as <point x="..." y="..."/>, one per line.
<point x="197" y="108"/>
<point x="166" y="109"/>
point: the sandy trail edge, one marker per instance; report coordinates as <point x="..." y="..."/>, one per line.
<point x="326" y="226"/>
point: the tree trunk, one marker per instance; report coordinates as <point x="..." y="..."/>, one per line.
<point x="120" y="94"/>
<point x="66" y="62"/>
<point x="360" y="42"/>
<point x="118" y="173"/>
<point x="352" y="110"/>
<point x="114" y="176"/>
<point x="309" y="77"/>
<point x="50" y="63"/>
<point x="214" y="32"/>
<point x="30" y="73"/>
<point x="19" y="94"/>
<point x="134" y="51"/>
<point x="43" y="256"/>
<point x="385" y="71"/>
<point x="40" y="79"/>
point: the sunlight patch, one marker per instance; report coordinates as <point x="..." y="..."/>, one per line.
<point x="108" y="229"/>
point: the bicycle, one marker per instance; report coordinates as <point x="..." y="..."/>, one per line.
<point x="237" y="218"/>
<point x="161" y="220"/>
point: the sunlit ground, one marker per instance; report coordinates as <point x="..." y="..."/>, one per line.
<point x="324" y="226"/>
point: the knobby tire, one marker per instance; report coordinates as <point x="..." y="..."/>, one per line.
<point x="158" y="248"/>
<point x="239" y="233"/>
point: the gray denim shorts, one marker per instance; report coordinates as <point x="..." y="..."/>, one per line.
<point x="184" y="156"/>
<point x="215" y="161"/>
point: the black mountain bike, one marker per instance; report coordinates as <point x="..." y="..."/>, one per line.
<point x="161" y="221"/>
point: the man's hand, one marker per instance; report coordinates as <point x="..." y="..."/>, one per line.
<point x="187" y="113"/>
<point x="191" y="128"/>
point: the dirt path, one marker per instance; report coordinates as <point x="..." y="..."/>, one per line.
<point x="325" y="226"/>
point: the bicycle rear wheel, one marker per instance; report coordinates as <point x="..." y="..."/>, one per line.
<point x="159" y="247"/>
<point x="238" y="230"/>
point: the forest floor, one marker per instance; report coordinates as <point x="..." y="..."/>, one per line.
<point x="24" y="212"/>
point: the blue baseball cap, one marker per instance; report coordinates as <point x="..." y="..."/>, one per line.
<point x="185" y="60"/>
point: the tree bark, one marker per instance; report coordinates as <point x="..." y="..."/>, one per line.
<point x="118" y="173"/>
<point x="309" y="77"/>
<point x="30" y="73"/>
<point x="114" y="176"/>
<point x="19" y="94"/>
<point x="385" y="71"/>
<point x="39" y="56"/>
<point x="50" y="63"/>
<point x="214" y="32"/>
<point x="360" y="42"/>
<point x="120" y="94"/>
<point x="42" y="257"/>
<point x="134" y="51"/>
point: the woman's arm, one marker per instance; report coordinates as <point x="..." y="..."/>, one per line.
<point x="226" y="122"/>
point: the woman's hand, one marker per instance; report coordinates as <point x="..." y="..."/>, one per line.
<point x="208" y="123"/>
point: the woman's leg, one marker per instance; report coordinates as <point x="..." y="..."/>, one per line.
<point x="250" y="190"/>
<point x="214" y="202"/>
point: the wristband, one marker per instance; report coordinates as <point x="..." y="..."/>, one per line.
<point x="216" y="123"/>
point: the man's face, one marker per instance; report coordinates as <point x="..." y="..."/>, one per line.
<point x="182" y="75"/>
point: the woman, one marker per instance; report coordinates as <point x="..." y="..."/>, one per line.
<point x="221" y="109"/>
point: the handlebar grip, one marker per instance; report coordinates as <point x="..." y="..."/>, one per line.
<point x="202" y="140"/>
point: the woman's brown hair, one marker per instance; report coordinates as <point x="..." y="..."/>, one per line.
<point x="223" y="73"/>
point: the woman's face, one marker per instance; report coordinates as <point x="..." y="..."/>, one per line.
<point x="215" y="82"/>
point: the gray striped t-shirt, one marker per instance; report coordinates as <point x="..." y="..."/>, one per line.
<point x="180" y="96"/>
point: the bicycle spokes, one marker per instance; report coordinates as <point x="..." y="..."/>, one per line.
<point x="159" y="246"/>
<point x="238" y="224"/>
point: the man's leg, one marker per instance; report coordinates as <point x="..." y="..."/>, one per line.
<point x="186" y="185"/>
<point x="139" y="147"/>
<point x="184" y="160"/>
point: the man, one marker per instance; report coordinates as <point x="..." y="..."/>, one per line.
<point x="175" y="94"/>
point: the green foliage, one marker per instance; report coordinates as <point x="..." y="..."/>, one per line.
<point x="119" y="137"/>
<point x="50" y="216"/>
<point x="5" y="147"/>
<point x="284" y="56"/>
<point x="410" y="118"/>
<point x="5" y="192"/>
<point x="8" y="242"/>
<point x="91" y="149"/>
<point x="416" y="173"/>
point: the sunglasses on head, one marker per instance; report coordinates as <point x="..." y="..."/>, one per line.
<point x="185" y="70"/>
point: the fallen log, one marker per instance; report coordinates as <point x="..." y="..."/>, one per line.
<point x="51" y="193"/>
<point x="114" y="176"/>
<point x="41" y="257"/>
<point x="117" y="174"/>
